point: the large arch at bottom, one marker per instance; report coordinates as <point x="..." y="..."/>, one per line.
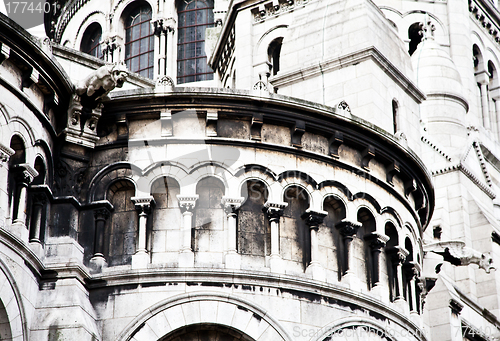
<point x="206" y="331"/>
<point x="204" y="311"/>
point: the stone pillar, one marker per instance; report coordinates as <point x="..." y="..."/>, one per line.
<point x="274" y="211"/>
<point x="171" y="57"/>
<point x="397" y="256"/>
<point x="5" y="154"/>
<point x="98" y="262"/>
<point x="483" y="79"/>
<point x="495" y="96"/>
<point x="376" y="241"/>
<point x="24" y="174"/>
<point x="313" y="219"/>
<point x="187" y="205"/>
<point x="143" y="206"/>
<point x="39" y="201"/>
<point x="348" y="229"/>
<point x="231" y="205"/>
<point x="412" y="271"/>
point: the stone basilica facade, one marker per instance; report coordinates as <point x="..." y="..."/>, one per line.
<point x="282" y="170"/>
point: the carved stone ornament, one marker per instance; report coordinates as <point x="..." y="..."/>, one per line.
<point x="231" y="205"/>
<point x="106" y="78"/>
<point x="314" y="218"/>
<point x="187" y="203"/>
<point x="343" y="107"/>
<point x="456" y="253"/>
<point x="5" y="153"/>
<point x="347" y="228"/>
<point x="165" y="81"/>
<point x="260" y="85"/>
<point x="274" y="210"/>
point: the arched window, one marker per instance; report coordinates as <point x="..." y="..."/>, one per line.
<point x="415" y="35"/>
<point x="392" y="272"/>
<point x="19" y="157"/>
<point x="166" y="216"/>
<point x="329" y="238"/>
<point x="254" y="234"/>
<point x="295" y="236"/>
<point x="91" y="41"/>
<point x="273" y="54"/>
<point x="139" y="43"/>
<point x="121" y="234"/>
<point x="194" y="17"/>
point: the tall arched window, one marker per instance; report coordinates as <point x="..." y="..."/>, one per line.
<point x="273" y="54"/>
<point x="415" y="35"/>
<point x="91" y="41"/>
<point x="139" y="42"/>
<point x="194" y="17"/>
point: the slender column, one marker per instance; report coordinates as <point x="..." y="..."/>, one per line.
<point x="24" y="175"/>
<point x="348" y="229"/>
<point x="231" y="205"/>
<point x="187" y="205"/>
<point x="376" y="242"/>
<point x="143" y="206"/>
<point x="495" y="95"/>
<point x="398" y="256"/>
<point x="483" y="79"/>
<point x="412" y="271"/>
<point x="171" y="55"/>
<point x="100" y="217"/>
<point x="39" y="201"/>
<point x="313" y="219"/>
<point x="274" y="211"/>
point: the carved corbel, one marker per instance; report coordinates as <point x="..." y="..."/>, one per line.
<point x="297" y="132"/>
<point x="30" y="76"/>
<point x="410" y="187"/>
<point x="256" y="127"/>
<point x="211" y="122"/>
<point x="335" y="142"/>
<point x="367" y="155"/>
<point x="392" y="170"/>
<point x="122" y="127"/>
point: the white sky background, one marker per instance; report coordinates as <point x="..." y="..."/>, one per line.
<point x="37" y="31"/>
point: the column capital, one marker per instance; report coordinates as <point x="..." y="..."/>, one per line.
<point x="482" y="77"/>
<point x="25" y="172"/>
<point x="274" y="210"/>
<point x="314" y="218"/>
<point x="412" y="269"/>
<point x="347" y="228"/>
<point x="231" y="205"/>
<point x="143" y="204"/>
<point x="397" y="254"/>
<point x="101" y="213"/>
<point x="376" y="240"/>
<point x="5" y="153"/>
<point x="187" y="203"/>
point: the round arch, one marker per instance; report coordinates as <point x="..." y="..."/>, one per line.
<point x="356" y="325"/>
<point x="213" y="308"/>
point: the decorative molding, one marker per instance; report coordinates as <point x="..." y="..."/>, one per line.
<point x="5" y="153"/>
<point x="314" y="218"/>
<point x="275" y="8"/>
<point x="367" y="155"/>
<point x="231" y="205"/>
<point x="297" y="132"/>
<point x="274" y="210"/>
<point x="187" y="203"/>
<point x="456" y="306"/>
<point x="347" y="228"/>
<point x="426" y="140"/>
<point x="482" y="161"/>
<point x="334" y="143"/>
<point x="392" y="170"/>
<point x="484" y="14"/>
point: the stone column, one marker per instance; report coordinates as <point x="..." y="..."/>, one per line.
<point x="274" y="211"/>
<point x="412" y="271"/>
<point x="39" y="201"/>
<point x="231" y="205"/>
<point x="143" y="206"/>
<point x="5" y="154"/>
<point x="483" y="79"/>
<point x="376" y="241"/>
<point x="313" y="219"/>
<point x="348" y="229"/>
<point x="187" y="205"/>
<point x="98" y="262"/>
<point x="397" y="256"/>
<point x="495" y="95"/>
<point x="24" y="174"/>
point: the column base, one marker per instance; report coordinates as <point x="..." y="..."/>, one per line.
<point x="186" y="259"/>
<point x="19" y="230"/>
<point x="37" y="248"/>
<point x="97" y="264"/>
<point x="140" y="260"/>
<point x="402" y="305"/>
<point x="352" y="282"/>
<point x="316" y="271"/>
<point x="233" y="260"/>
<point x="276" y="264"/>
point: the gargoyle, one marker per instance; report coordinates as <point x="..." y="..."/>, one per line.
<point x="100" y="82"/>
<point x="456" y="253"/>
